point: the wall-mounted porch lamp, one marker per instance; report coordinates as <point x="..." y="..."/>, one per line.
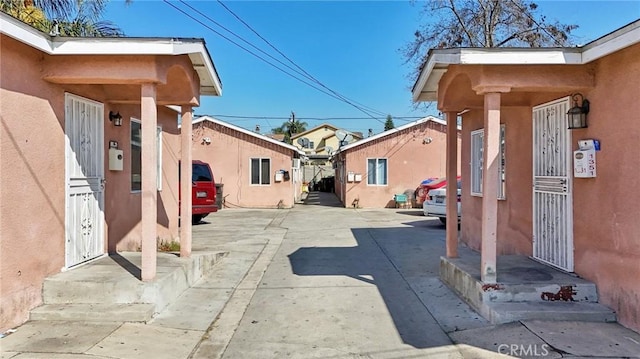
<point x="577" y="115"/>
<point x="115" y="118"/>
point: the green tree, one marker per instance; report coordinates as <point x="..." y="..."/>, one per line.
<point x="290" y="128"/>
<point x="483" y="23"/>
<point x="78" y="18"/>
<point x="388" y="124"/>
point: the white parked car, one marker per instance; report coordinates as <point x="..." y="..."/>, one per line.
<point x="435" y="203"/>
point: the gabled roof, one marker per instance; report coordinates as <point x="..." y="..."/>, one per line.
<point x="246" y="132"/>
<point x="210" y="83"/>
<point x="276" y="136"/>
<point x="392" y="131"/>
<point x="438" y="61"/>
<point x="313" y="130"/>
<point x="357" y="135"/>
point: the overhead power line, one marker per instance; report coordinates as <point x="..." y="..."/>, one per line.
<point x="261" y="58"/>
<point x="293" y="63"/>
<point x="252" y="118"/>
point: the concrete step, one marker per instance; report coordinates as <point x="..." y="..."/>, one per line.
<point x="138" y="312"/>
<point x="576" y="291"/>
<point x="526" y="290"/>
<point x="115" y="280"/>
<point x="519" y="280"/>
<point x="505" y="312"/>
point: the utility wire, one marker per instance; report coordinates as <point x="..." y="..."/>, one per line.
<point x="293" y="63"/>
<point x="303" y="73"/>
<point x="247" y="50"/>
<point x="261" y="58"/>
<point x="245" y="41"/>
<point x="404" y="118"/>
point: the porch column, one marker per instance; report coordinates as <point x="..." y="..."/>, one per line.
<point x="185" y="181"/>
<point x="490" y="186"/>
<point x="149" y="119"/>
<point x="452" y="174"/>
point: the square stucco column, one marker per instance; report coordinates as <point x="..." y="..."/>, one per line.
<point x="490" y="186"/>
<point x="452" y="174"/>
<point x="185" y="181"/>
<point x="149" y="120"/>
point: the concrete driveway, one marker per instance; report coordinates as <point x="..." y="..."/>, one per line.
<point x="319" y="281"/>
<point x="349" y="283"/>
<point x="364" y="283"/>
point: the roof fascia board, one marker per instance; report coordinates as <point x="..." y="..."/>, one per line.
<point x="392" y="131"/>
<point x="24" y="33"/>
<point x="438" y="58"/>
<point x="520" y="57"/>
<point x="245" y="131"/>
<point x="426" y="86"/>
<point x="611" y="43"/>
<point x="195" y="48"/>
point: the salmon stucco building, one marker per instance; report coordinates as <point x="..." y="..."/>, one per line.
<point x="251" y="170"/>
<point x="89" y="142"/>
<point x="370" y="172"/>
<point x="536" y="181"/>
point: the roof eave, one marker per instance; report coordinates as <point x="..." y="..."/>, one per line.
<point x="390" y="132"/>
<point x="438" y="61"/>
<point x="202" y="63"/>
<point x="247" y="132"/>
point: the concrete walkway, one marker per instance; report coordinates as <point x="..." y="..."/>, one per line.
<point x="320" y="281"/>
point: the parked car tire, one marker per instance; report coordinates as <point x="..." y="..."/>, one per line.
<point x="196" y="218"/>
<point x="443" y="220"/>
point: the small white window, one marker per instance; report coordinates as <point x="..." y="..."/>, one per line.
<point x="377" y="171"/>
<point x="477" y="163"/>
<point x="136" y="156"/>
<point x="159" y="157"/>
<point x="260" y="171"/>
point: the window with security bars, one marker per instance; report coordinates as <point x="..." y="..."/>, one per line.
<point x="477" y="163"/>
<point x="260" y="171"/>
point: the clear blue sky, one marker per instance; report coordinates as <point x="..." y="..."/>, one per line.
<point x="350" y="47"/>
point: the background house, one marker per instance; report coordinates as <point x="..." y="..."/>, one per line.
<point x="76" y="172"/>
<point x="531" y="193"/>
<point x="318" y="144"/>
<point x="256" y="171"/>
<point x="371" y="171"/>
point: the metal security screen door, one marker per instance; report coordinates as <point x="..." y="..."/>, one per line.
<point x="84" y="156"/>
<point x="552" y="201"/>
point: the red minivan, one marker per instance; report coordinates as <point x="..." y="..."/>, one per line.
<point x="203" y="193"/>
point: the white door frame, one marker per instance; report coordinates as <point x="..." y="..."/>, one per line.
<point x="84" y="180"/>
<point x="552" y="185"/>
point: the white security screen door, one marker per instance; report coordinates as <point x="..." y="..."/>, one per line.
<point x="552" y="201"/>
<point x="84" y="157"/>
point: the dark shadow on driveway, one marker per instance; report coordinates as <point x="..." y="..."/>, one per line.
<point x="385" y="257"/>
<point x="325" y="199"/>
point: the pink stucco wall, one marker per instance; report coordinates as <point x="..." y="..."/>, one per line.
<point x="122" y="205"/>
<point x="514" y="214"/>
<point x="605" y="209"/>
<point x="229" y="155"/>
<point x="32" y="190"/>
<point x="409" y="161"/>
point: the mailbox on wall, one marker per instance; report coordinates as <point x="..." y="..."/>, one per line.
<point x="116" y="159"/>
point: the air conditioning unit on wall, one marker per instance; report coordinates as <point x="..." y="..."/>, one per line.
<point x="295" y="163"/>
